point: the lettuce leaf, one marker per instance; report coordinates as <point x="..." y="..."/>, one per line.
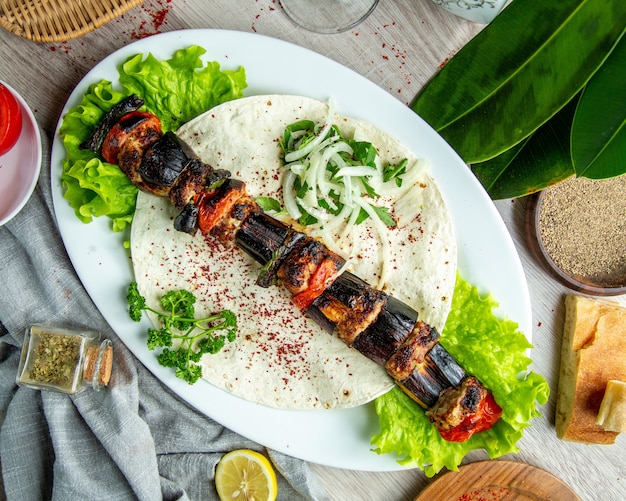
<point x="182" y="87"/>
<point x="492" y="349"/>
<point x="176" y="90"/>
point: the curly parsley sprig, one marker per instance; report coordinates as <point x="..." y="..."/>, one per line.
<point x="197" y="335"/>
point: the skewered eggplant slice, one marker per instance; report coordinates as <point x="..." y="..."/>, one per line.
<point x="383" y="336"/>
<point x="333" y="305"/>
<point x="162" y="164"/>
<point x="428" y="379"/>
<point x="187" y="219"/>
<point x="260" y="236"/>
<point x="348" y="293"/>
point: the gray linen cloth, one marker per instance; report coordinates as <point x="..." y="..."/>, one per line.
<point x="133" y="440"/>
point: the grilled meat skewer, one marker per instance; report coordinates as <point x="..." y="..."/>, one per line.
<point x="379" y="326"/>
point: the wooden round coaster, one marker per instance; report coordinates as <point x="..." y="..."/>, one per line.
<point x="495" y="481"/>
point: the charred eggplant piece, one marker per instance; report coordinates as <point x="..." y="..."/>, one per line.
<point x="110" y="118"/>
<point x="162" y="163"/>
<point x="187" y="219"/>
<point x="260" y="236"/>
<point x="436" y="373"/>
<point x="348" y="307"/>
<point x="383" y="336"/>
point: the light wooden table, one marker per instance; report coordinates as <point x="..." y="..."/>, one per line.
<point x="399" y="48"/>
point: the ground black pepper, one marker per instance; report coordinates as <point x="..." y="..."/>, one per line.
<point x="582" y="224"/>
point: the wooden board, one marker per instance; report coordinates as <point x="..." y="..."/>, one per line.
<point x="497" y="481"/>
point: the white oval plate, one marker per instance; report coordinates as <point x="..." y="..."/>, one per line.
<point x="487" y="256"/>
<point x="20" y="166"/>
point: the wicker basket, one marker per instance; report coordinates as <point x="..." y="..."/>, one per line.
<point x="59" y="20"/>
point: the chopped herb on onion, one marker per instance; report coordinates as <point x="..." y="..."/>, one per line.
<point x="328" y="176"/>
<point x="332" y="183"/>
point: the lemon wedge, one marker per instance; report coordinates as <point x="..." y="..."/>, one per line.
<point x="612" y="413"/>
<point x="245" y="475"/>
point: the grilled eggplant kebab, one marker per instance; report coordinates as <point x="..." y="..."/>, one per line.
<point x="376" y="324"/>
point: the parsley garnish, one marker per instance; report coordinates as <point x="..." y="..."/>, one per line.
<point x="197" y="335"/>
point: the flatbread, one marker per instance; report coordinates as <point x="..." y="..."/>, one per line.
<point x="281" y="358"/>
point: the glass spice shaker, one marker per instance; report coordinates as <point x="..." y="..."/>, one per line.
<point x="63" y="360"/>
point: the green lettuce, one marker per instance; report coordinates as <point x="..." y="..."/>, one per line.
<point x="176" y="90"/>
<point x="492" y="349"/>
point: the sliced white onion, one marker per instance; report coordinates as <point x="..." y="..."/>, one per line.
<point x="316" y="212"/>
<point x="341" y="218"/>
<point x="310" y="178"/>
<point x="289" y="195"/>
<point x="411" y="176"/>
<point x="351" y="221"/>
<point x="331" y="242"/>
<point x="381" y="229"/>
<point x="296" y="168"/>
<point x="304" y="151"/>
<point x="312" y="166"/>
<point x="294" y="137"/>
<point x="408" y="206"/>
<point x="346" y="194"/>
<point x="356" y="171"/>
<point x="331" y="154"/>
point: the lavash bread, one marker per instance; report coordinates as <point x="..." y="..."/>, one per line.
<point x="593" y="352"/>
<point x="281" y="358"/>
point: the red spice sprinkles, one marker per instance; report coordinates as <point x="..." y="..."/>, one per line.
<point x="158" y="11"/>
<point x="277" y="358"/>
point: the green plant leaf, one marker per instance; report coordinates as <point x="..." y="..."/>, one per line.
<point x="539" y="161"/>
<point x="518" y="72"/>
<point x="599" y="128"/>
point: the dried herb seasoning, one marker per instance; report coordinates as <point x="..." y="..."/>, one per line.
<point x="56" y="358"/>
<point x="63" y="360"/>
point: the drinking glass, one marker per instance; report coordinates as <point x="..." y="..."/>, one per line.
<point x="328" y="16"/>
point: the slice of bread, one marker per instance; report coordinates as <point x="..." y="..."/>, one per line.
<point x="593" y="352"/>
